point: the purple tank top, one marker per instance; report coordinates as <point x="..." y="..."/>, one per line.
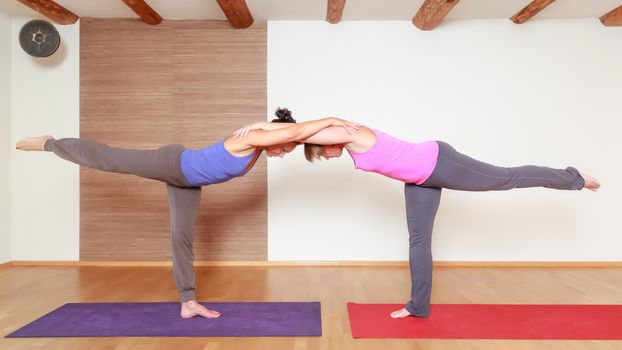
<point x="398" y="159"/>
<point x="212" y="165"/>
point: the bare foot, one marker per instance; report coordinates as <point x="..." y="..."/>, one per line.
<point x="401" y="313"/>
<point x="191" y="308"/>
<point x="590" y="182"/>
<point x="33" y="143"/>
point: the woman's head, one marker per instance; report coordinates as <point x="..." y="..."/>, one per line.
<point x="313" y="151"/>
<point x="283" y="115"/>
<point x="280" y="150"/>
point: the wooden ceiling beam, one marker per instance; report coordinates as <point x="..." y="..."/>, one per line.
<point x="530" y="10"/>
<point x="144" y="11"/>
<point x="432" y="13"/>
<point x="52" y="10"/>
<point x="237" y="13"/>
<point x="612" y="18"/>
<point x="334" y="10"/>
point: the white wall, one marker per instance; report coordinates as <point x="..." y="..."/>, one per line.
<point x="45" y="189"/>
<point x="544" y="93"/>
<point x="5" y="138"/>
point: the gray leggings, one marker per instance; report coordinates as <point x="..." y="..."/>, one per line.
<point x="457" y="171"/>
<point x="161" y="164"/>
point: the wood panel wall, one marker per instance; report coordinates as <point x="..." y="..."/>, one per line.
<point x="185" y="82"/>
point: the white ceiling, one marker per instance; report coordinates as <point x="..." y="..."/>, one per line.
<point x="316" y="9"/>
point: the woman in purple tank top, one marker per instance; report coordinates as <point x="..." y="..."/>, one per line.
<point x="232" y="157"/>
<point x="426" y="168"/>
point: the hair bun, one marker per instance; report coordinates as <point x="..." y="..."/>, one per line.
<point x="284" y="115"/>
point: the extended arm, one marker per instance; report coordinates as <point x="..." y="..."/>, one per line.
<point x="243" y="132"/>
<point x="359" y="140"/>
<point x="328" y="136"/>
<point x="294" y="132"/>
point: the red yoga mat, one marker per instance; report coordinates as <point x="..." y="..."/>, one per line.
<point x="490" y="321"/>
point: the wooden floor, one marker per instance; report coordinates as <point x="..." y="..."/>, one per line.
<point x="29" y="292"/>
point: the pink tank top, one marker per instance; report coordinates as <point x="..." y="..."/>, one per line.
<point x="397" y="159"/>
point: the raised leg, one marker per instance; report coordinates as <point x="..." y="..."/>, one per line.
<point x="457" y="171"/>
<point x="160" y="164"/>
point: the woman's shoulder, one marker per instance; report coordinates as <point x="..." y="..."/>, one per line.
<point x="362" y="139"/>
<point x="237" y="147"/>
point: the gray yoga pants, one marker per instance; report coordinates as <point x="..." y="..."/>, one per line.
<point x="457" y="171"/>
<point x="161" y="164"/>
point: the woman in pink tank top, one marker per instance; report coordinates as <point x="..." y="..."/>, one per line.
<point x="426" y="168"/>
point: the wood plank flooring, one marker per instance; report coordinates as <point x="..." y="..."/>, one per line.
<point x="27" y="293"/>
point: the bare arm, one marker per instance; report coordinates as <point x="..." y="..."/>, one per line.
<point x="292" y="132"/>
<point x="242" y="133"/>
<point x="270" y="125"/>
<point x="328" y="136"/>
<point x="262" y="125"/>
<point x="358" y="141"/>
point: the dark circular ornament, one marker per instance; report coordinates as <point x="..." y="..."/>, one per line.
<point x="39" y="38"/>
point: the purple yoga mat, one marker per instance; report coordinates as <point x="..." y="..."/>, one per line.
<point x="162" y="320"/>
